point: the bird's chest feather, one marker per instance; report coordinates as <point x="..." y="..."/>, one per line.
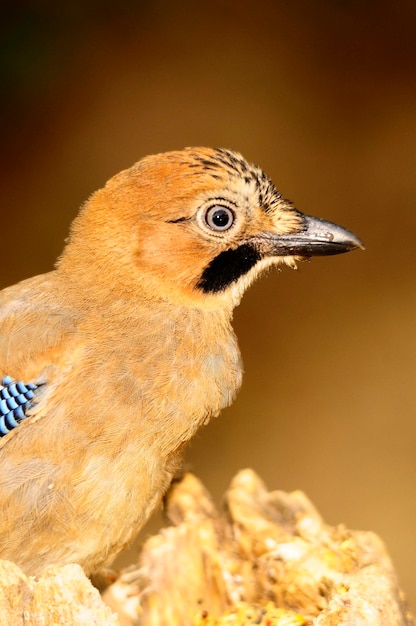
<point x="176" y="375"/>
<point x="170" y="380"/>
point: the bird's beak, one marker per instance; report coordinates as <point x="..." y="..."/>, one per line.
<point x="318" y="237"/>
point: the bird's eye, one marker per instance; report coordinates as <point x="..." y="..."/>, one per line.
<point x="219" y="217"/>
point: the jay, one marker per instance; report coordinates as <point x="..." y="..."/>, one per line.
<point x="111" y="362"/>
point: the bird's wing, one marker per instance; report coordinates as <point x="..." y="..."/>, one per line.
<point x="36" y="331"/>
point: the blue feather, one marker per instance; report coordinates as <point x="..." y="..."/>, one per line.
<point x="15" y="400"/>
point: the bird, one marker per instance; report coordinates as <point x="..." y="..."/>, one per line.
<point x="112" y="361"/>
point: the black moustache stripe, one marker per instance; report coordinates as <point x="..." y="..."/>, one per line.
<point x="227" y="267"/>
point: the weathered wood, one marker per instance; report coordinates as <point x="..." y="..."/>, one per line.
<point x="63" y="595"/>
<point x="268" y="558"/>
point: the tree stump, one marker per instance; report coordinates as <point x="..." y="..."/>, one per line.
<point x="268" y="558"/>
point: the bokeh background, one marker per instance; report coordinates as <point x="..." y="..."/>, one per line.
<point x="321" y="94"/>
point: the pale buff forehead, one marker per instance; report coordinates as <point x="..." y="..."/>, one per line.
<point x="230" y="170"/>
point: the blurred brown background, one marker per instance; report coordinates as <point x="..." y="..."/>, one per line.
<point x="322" y="95"/>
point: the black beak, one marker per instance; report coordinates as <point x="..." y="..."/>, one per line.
<point x="317" y="238"/>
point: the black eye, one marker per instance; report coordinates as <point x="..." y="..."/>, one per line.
<point x="219" y="217"/>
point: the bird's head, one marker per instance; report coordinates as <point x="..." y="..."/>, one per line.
<point x="194" y="226"/>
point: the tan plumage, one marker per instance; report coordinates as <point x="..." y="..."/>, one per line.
<point x="131" y="337"/>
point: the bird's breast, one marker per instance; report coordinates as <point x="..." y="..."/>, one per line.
<point x="187" y="371"/>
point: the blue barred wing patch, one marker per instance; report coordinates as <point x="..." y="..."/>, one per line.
<point x="15" y="400"/>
